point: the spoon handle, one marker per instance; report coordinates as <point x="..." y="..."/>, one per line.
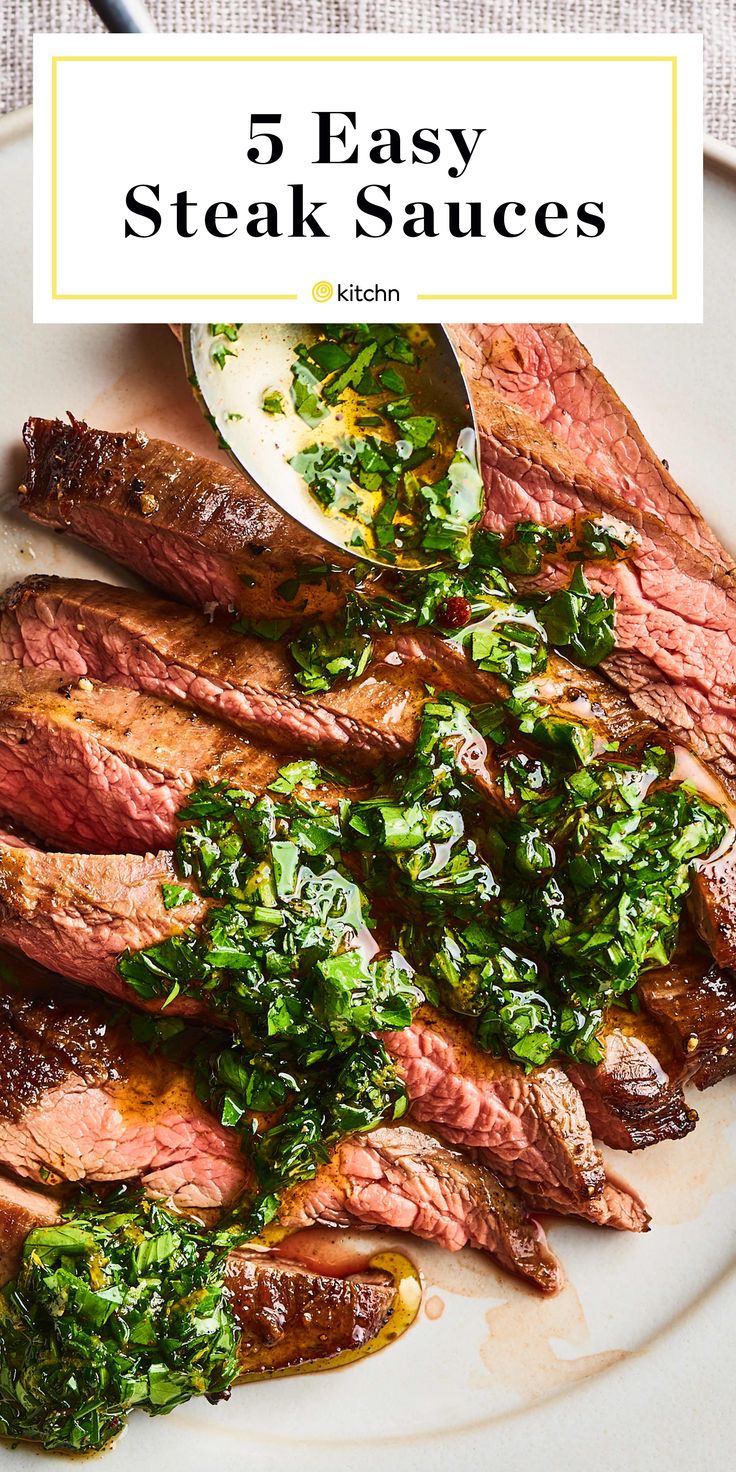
<point x="123" y="15"/>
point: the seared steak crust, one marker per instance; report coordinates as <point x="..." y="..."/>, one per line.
<point x="290" y="1315"/>
<point x="633" y="1098"/>
<point x="48" y="1033"/>
<point x="196" y="528"/>
<point x="694" y="1002"/>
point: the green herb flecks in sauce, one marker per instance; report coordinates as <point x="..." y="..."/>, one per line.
<point x="289" y="958"/>
<point x="528" y="912"/>
<point x="384" y="458"/>
<point x="120" y="1304"/>
<point x="504" y="632"/>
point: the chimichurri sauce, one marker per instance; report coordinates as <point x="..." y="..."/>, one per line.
<point x="521" y="868"/>
<point x="389" y="457"/>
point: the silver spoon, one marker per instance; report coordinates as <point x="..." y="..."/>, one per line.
<point x="230" y="378"/>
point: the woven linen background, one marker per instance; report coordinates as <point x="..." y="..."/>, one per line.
<point x="716" y="18"/>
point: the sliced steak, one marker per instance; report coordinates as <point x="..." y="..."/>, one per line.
<point x="200" y="530"/>
<point x="712" y="903"/>
<point x="290" y="1315"/>
<point x="80" y="1101"/>
<point x="530" y="1128"/>
<point x="105" y="769"/>
<point x="77" y="913"/>
<point x="287" y="1314"/>
<point x="21" y="1209"/>
<point x="675" y="610"/>
<point x="129" y="639"/>
<point x="617" y="1207"/>
<point x="399" y="1177"/>
<point x="546" y="371"/>
<point x="694" y="1002"/>
<point x="633" y="1097"/>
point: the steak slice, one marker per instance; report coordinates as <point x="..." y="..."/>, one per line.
<point x="77" y="913"/>
<point x="130" y="639"/>
<point x="546" y="371"/>
<point x="200" y="530"/>
<point x="21" y="1209"/>
<point x="694" y="1002"/>
<point x="400" y="1177"/>
<point x="291" y="1315"/>
<point x="80" y="1101"/>
<point x="105" y="769"/>
<point x="712" y="903"/>
<point x="530" y="1128"/>
<point x="633" y="1098"/>
<point x="675" y="611"/>
<point x="287" y="1314"/>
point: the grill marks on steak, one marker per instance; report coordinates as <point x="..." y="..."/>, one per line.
<point x="107" y="769"/>
<point x="400" y="1177"/>
<point x="675" y="611"/>
<point x="546" y="371"/>
<point x="200" y="530"/>
<point x="141" y="642"/>
<point x="80" y="1101"/>
<point x="77" y="913"/>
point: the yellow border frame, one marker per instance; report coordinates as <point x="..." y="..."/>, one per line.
<point x="56" y="295"/>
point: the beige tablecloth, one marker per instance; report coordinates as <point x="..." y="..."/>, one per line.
<point x="716" y="18"/>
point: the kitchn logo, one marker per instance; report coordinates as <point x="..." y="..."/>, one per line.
<point x="351" y="291"/>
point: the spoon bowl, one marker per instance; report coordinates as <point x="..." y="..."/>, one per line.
<point x="235" y="371"/>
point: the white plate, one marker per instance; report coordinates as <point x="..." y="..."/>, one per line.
<point x="635" y="1362"/>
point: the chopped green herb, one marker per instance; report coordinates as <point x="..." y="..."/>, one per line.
<point x="120" y="1305"/>
<point x="176" y="894"/>
<point x="408" y="487"/>
<point x="580" y="622"/>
